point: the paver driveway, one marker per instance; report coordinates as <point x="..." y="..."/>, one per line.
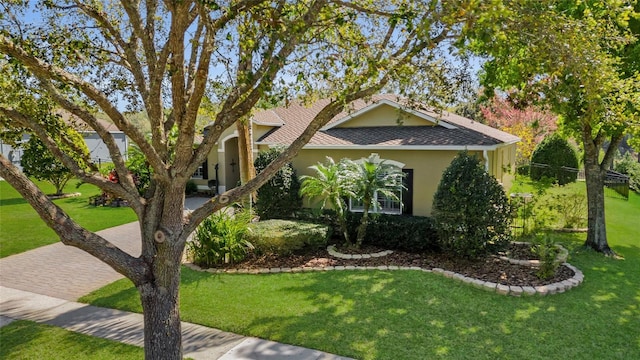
<point x="66" y="272"/>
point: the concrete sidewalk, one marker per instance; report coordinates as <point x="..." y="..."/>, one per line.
<point x="199" y="342"/>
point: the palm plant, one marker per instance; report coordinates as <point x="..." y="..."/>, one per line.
<point x="369" y="180"/>
<point x="329" y="185"/>
<point x="220" y="238"/>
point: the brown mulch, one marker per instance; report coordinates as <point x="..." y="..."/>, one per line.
<point x="490" y="269"/>
<point x="520" y="252"/>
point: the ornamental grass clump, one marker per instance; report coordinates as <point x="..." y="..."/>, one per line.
<point x="471" y="211"/>
<point x="220" y="239"/>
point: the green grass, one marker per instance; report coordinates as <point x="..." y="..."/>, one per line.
<point x="21" y="228"/>
<point x="416" y="315"/>
<point x="29" y="340"/>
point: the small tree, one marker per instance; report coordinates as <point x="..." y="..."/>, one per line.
<point x="329" y="184"/>
<point x="367" y="179"/>
<point x="471" y="210"/>
<point x="557" y="153"/>
<point x="38" y="162"/>
<point x="279" y="196"/>
<point x="531" y="124"/>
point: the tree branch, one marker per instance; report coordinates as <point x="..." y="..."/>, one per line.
<point x="129" y="48"/>
<point x="126" y="179"/>
<point x="47" y="72"/>
<point x="68" y="161"/>
<point x="70" y="232"/>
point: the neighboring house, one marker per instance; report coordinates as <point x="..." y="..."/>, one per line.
<point x="97" y="148"/>
<point x="420" y="142"/>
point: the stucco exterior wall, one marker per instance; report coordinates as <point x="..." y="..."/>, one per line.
<point x="502" y="162"/>
<point x="384" y="115"/>
<point x="427" y="166"/>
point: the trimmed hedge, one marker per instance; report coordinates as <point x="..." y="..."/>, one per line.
<point x="555" y="152"/>
<point x="283" y="237"/>
<point x="413" y="234"/>
<point x="279" y="197"/>
<point x="471" y="211"/>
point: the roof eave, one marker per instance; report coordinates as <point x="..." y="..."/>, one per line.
<point x="393" y="147"/>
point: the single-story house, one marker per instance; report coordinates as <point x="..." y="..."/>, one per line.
<point x="419" y="141"/>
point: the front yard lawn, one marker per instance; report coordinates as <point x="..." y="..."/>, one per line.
<point x="21" y="228"/>
<point x="416" y="315"/>
<point x="29" y="340"/>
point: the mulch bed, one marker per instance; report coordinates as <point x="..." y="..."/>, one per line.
<point x="490" y="269"/>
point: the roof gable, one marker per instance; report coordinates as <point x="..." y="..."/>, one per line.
<point x="385" y="113"/>
<point x="354" y="127"/>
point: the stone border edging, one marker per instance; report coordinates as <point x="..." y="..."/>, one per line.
<point x="554" y="288"/>
<point x="64" y="196"/>
<point x="331" y="249"/>
<point x="561" y="258"/>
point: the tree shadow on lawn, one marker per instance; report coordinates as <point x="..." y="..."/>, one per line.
<point x="417" y="315"/>
<point x="26" y="338"/>
<point x="12" y="201"/>
<point x="380" y="315"/>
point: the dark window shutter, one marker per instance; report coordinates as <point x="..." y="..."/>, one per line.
<point x="205" y="169"/>
<point x="407" y="193"/>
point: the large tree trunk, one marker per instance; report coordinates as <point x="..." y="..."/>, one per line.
<point x="162" y="330"/>
<point x="163" y="244"/>
<point x="597" y="232"/>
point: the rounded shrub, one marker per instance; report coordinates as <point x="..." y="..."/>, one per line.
<point x="278" y="198"/>
<point x="191" y="188"/>
<point x="471" y="212"/>
<point x="549" y="158"/>
<point x="283" y="237"/>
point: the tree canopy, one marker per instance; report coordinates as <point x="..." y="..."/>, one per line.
<point x="574" y="57"/>
<point x="531" y="124"/>
<point x="166" y="58"/>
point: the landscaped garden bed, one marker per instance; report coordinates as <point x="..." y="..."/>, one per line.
<point x="490" y="269"/>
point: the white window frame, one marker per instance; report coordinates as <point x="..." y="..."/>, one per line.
<point x="376" y="208"/>
<point x="199" y="173"/>
<point x="354" y="207"/>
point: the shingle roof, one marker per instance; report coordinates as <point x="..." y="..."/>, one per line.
<point x="291" y="121"/>
<point x="81" y="126"/>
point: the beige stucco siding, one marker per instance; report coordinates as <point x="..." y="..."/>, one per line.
<point x="226" y="153"/>
<point x="427" y="166"/>
<point x="502" y="164"/>
<point x="384" y="115"/>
